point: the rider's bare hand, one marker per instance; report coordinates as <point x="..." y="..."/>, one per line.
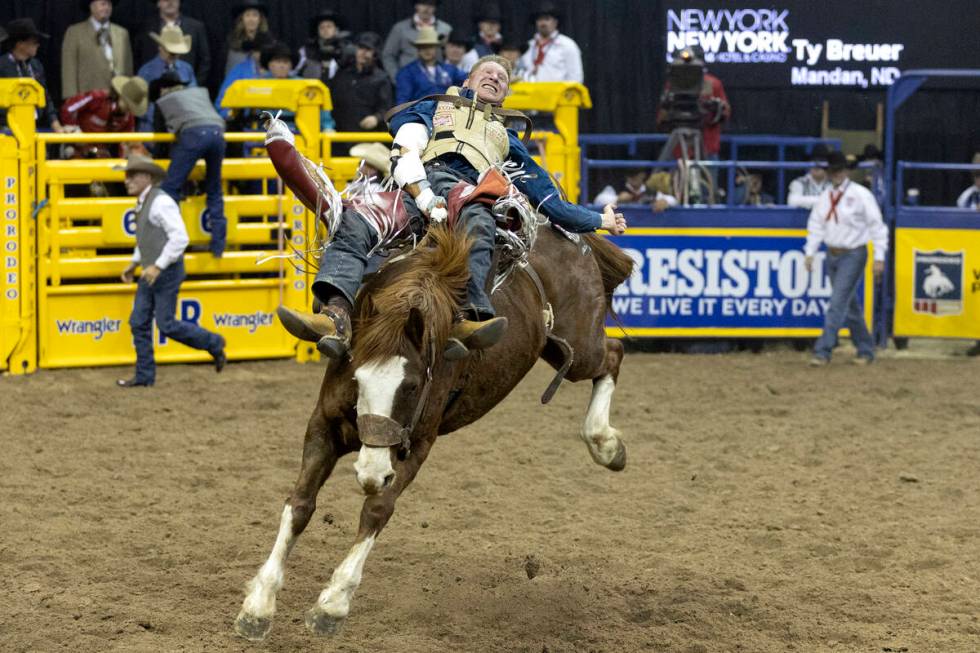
<point x="613" y="222"/>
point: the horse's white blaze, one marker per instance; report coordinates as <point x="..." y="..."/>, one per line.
<point x="335" y="599"/>
<point x="261" y="598"/>
<point x="376" y="387"/>
<point x="602" y="439"/>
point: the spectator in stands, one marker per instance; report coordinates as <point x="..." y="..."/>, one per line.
<point x="844" y="218"/>
<point x="748" y="190"/>
<point x="277" y="62"/>
<point x="20" y="60"/>
<point x="94" y="51"/>
<point x="873" y="167"/>
<point x="250" y="22"/>
<point x="375" y="164"/>
<point x="328" y="50"/>
<point x="638" y="188"/>
<point x="109" y="111"/>
<point x="200" y="132"/>
<point x="161" y="239"/>
<point x="399" y="48"/>
<point x="804" y="191"/>
<point x="361" y="91"/>
<point x="551" y="56"/>
<point x="426" y="75"/>
<point x="199" y="56"/>
<point x="970" y="198"/>
<point x="171" y="44"/>
<point x="247" y="68"/>
<point x="512" y="51"/>
<point x="453" y="52"/>
<point x="488" y="38"/>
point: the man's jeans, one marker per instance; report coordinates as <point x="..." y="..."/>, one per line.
<point x="845" y="271"/>
<point x="345" y="257"/>
<point x="192" y="144"/>
<point x="160" y="301"/>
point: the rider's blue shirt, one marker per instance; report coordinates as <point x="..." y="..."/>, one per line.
<point x="535" y="182"/>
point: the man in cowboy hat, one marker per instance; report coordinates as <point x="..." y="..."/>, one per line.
<point x="161" y="239"/>
<point x="109" y="111"/>
<point x="845" y="217"/>
<point x="361" y="91"/>
<point x="20" y="60"/>
<point x="551" y="56"/>
<point x="804" y="191"/>
<point x="172" y="43"/>
<point x="94" y="51"/>
<point x="438" y="144"/>
<point x="199" y="56"/>
<point x="426" y="75"/>
<point x="328" y="49"/>
<point x="488" y="38"/>
<point x="399" y="48"/>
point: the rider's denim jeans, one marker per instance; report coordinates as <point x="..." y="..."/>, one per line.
<point x="345" y="258"/>
<point x="159" y="302"/>
<point x="192" y="144"/>
<point x="845" y="270"/>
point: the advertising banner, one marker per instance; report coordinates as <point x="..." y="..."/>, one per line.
<point x="937" y="282"/>
<point x="856" y="45"/>
<point x="724" y="282"/>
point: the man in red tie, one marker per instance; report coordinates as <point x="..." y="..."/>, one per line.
<point x="845" y="217"/>
<point x="551" y="56"/>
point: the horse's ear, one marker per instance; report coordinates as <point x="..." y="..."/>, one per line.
<point x="415" y="327"/>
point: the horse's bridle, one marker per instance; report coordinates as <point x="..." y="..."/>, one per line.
<point x="381" y="431"/>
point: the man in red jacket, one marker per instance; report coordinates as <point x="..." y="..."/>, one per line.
<point x="104" y="111"/>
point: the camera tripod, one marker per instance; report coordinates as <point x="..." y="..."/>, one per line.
<point x="693" y="182"/>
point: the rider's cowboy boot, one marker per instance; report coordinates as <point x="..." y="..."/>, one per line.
<point x="469" y="334"/>
<point x="330" y="329"/>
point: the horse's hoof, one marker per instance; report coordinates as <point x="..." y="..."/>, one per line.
<point x="619" y="460"/>
<point x="319" y="622"/>
<point x="251" y="627"/>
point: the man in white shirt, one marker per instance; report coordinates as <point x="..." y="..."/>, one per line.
<point x="161" y="239"/>
<point x="804" y="191"/>
<point x="551" y="56"/>
<point x="845" y="217"/>
<point x="970" y="198"/>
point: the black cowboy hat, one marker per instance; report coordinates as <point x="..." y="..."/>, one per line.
<point x="327" y="14"/>
<point x="277" y="50"/>
<point x="490" y="11"/>
<point x="836" y="161"/>
<point x="546" y="9"/>
<point x="243" y="5"/>
<point x="23" y="29"/>
<point x="871" y="153"/>
<point x="819" y="153"/>
<point x="457" y="39"/>
<point x="369" y="41"/>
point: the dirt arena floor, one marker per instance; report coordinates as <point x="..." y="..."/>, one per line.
<point x="765" y="507"/>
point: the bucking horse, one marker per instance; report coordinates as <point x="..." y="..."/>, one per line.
<point x="396" y="392"/>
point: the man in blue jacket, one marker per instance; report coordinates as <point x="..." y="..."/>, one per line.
<point x="437" y="144"/>
<point x="426" y="75"/>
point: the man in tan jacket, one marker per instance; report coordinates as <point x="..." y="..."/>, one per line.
<point x="94" y="51"/>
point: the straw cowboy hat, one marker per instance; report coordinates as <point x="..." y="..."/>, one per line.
<point x="172" y="39"/>
<point x="133" y="93"/>
<point x="427" y="36"/>
<point x="376" y="155"/>
<point x="140" y="163"/>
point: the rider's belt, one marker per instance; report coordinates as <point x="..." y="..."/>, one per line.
<point x="837" y="251"/>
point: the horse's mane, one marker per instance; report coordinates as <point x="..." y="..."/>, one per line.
<point x="432" y="279"/>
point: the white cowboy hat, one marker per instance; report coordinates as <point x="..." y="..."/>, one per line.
<point x="133" y="93"/>
<point x="173" y="39"/>
<point x="427" y="36"/>
<point x="376" y="155"/>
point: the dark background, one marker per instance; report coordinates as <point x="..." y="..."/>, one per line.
<point x="623" y="44"/>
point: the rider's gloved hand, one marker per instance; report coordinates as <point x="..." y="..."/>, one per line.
<point x="432" y="205"/>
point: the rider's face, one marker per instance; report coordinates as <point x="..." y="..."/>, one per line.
<point x="489" y="82"/>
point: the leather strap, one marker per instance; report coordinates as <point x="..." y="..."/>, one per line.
<point x="380" y="431"/>
<point x="566" y="349"/>
<point x="460" y="101"/>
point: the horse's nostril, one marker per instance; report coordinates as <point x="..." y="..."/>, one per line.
<point x="389" y="479"/>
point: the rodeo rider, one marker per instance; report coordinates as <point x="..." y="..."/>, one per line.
<point x="437" y="145"/>
<point x="161" y="239"/>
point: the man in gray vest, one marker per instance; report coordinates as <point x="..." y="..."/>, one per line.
<point x="161" y="239"/>
<point x="187" y="112"/>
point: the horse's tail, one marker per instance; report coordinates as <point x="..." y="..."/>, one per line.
<point x="614" y="265"/>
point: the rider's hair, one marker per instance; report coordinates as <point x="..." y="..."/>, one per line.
<point x="497" y="59"/>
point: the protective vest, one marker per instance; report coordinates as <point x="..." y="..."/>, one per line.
<point x="150" y="238"/>
<point x="479" y="136"/>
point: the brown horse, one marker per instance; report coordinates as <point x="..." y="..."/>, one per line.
<point x="396" y="394"/>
